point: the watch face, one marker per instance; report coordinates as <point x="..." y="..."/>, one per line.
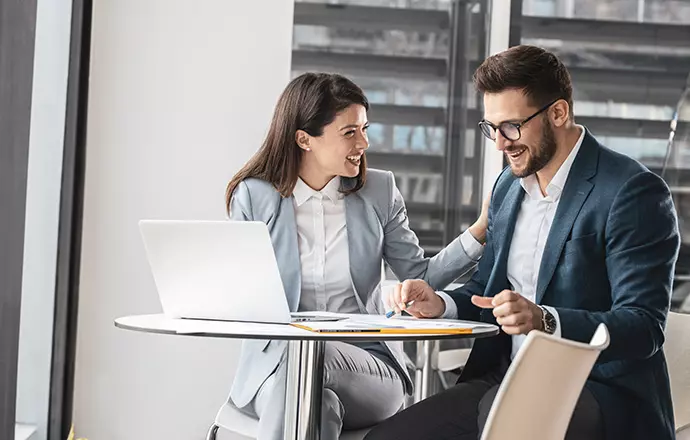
<point x="549" y="322"/>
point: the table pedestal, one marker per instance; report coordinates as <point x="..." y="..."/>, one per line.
<point x="304" y="389"/>
<point x="424" y="369"/>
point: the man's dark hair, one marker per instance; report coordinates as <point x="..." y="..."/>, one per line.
<point x="537" y="72"/>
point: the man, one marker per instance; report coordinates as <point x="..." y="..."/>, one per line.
<point x="578" y="235"/>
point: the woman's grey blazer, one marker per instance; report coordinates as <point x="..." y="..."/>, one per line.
<point x="377" y="228"/>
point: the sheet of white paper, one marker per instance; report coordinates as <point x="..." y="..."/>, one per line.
<point x="190" y="326"/>
<point x="376" y="321"/>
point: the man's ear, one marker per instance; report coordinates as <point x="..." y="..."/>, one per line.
<point x="559" y="113"/>
<point x="302" y="139"/>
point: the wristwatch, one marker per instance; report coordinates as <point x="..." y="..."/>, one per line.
<point x="548" y="321"/>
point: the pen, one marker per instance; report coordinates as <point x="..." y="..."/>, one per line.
<point x="392" y="312"/>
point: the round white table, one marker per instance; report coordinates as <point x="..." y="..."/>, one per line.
<point x="305" y="356"/>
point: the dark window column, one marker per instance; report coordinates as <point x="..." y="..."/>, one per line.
<point x="17" y="33"/>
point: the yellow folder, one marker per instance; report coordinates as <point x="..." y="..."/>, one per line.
<point x="424" y="327"/>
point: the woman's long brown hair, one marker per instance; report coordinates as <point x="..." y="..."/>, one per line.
<point x="310" y="102"/>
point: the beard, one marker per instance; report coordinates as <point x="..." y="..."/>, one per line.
<point x="539" y="157"/>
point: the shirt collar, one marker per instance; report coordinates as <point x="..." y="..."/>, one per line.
<point x="304" y="192"/>
<point x="531" y="185"/>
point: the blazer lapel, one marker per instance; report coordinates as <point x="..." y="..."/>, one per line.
<point x="503" y="229"/>
<point x="361" y="241"/>
<point x="291" y="273"/>
<point x="575" y="192"/>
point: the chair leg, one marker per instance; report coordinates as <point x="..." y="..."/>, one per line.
<point x="442" y="378"/>
<point x="212" y="432"/>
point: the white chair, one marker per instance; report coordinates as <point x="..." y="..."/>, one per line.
<point x="234" y="420"/>
<point x="677" y="351"/>
<point x="538" y="394"/>
<point x="449" y="360"/>
<point x="683" y="433"/>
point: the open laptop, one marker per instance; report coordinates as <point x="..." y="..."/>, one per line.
<point x="220" y="270"/>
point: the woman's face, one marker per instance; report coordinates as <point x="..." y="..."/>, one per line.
<point x="338" y="151"/>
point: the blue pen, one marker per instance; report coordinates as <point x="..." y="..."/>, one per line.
<point x="392" y="312"/>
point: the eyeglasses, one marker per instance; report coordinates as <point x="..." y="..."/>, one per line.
<point x="509" y="130"/>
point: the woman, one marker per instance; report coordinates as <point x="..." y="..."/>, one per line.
<point x="332" y="223"/>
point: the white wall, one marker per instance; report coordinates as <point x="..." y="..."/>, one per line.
<point x="181" y="95"/>
<point x="49" y="94"/>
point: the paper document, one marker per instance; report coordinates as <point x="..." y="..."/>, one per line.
<point x="314" y="316"/>
<point x="192" y="326"/>
<point x="381" y="324"/>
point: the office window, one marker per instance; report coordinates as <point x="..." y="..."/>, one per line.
<point x="628" y="78"/>
<point x="413" y="58"/>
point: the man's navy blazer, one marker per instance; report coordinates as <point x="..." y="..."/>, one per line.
<point x="609" y="258"/>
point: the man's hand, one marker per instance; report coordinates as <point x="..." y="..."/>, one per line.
<point x="515" y="314"/>
<point x="427" y="304"/>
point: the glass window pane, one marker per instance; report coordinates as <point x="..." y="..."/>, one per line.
<point x="363" y="41"/>
<point x="411" y="4"/>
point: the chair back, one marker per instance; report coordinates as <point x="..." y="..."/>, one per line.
<point x="537" y="397"/>
<point x="677" y="352"/>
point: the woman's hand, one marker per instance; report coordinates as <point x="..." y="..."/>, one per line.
<point x="417" y="298"/>
<point x="478" y="229"/>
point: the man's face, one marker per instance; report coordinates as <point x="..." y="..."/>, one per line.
<point x="537" y="143"/>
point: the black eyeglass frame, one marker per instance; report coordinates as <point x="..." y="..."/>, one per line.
<point x="486" y="126"/>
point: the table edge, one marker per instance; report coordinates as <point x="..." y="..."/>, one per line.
<point x="339" y="337"/>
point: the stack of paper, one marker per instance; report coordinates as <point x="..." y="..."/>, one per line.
<point x="381" y="324"/>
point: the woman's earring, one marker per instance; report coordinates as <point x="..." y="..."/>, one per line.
<point x="308" y="149"/>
